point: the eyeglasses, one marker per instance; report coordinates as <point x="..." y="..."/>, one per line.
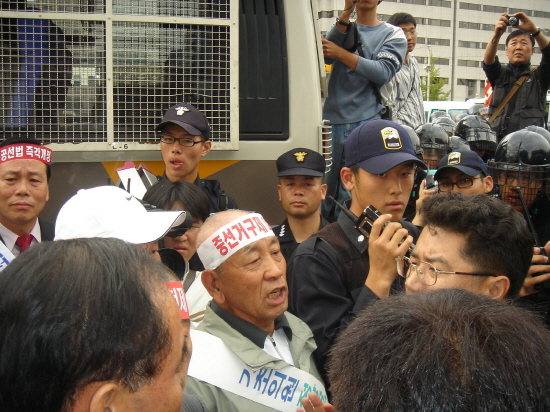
<point x="183" y="141"/>
<point x="410" y="33"/>
<point x="427" y="276"/>
<point x="461" y="184"/>
<point x="527" y="180"/>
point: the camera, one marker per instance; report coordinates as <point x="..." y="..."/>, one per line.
<point x="512" y="20"/>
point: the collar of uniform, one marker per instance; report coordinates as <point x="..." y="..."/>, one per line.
<point x="286" y="235"/>
<point x="359" y="241"/>
<point x="247" y="329"/>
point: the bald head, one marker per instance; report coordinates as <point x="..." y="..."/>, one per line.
<point x="217" y="221"/>
<point x="227" y="232"/>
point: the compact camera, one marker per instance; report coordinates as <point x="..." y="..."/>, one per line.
<point x="512" y="20"/>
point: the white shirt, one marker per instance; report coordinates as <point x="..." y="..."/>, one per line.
<point x="278" y="347"/>
<point x="10" y="238"/>
<point x="197" y="298"/>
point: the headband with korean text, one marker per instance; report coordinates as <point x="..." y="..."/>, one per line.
<point x="25" y="151"/>
<point x="176" y="289"/>
<point x="224" y="242"/>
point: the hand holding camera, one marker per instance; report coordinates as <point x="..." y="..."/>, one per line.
<point x="512" y="20"/>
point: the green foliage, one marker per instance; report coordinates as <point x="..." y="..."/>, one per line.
<point x="436" y="83"/>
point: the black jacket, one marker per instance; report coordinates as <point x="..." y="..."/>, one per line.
<point x="219" y="200"/>
<point x="528" y="106"/>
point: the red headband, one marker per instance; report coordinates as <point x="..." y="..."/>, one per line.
<point x="26" y="151"/>
<point x="176" y="289"/>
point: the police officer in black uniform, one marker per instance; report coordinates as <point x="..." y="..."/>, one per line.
<point x="301" y="189"/>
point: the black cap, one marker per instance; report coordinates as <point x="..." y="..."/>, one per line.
<point x="467" y="161"/>
<point x="188" y="117"/>
<point x="301" y="162"/>
<point x="378" y="146"/>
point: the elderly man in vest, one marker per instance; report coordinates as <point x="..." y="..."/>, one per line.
<point x="250" y="355"/>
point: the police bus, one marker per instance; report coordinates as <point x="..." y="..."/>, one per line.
<point x="91" y="79"/>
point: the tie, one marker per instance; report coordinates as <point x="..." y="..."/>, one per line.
<point x="24" y="242"/>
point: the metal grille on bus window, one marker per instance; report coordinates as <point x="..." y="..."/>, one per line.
<point x="53" y="74"/>
<point x="159" y="65"/>
<point x="52" y="79"/>
<point x="56" y="6"/>
<point x="218" y="9"/>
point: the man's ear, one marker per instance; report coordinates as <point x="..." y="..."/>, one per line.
<point x="488" y="182"/>
<point x="348" y="178"/>
<point x="96" y="397"/>
<point x="279" y="191"/>
<point x="210" y="280"/>
<point x="206" y="146"/>
<point x="324" y="191"/>
<point x="497" y="287"/>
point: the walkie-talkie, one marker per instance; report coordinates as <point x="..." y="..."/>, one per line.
<point x="363" y="223"/>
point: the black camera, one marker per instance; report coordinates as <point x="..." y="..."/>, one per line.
<point x="512" y="20"/>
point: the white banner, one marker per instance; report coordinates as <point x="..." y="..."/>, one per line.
<point x="5" y="256"/>
<point x="281" y="389"/>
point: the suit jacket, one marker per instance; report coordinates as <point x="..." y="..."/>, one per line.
<point x="47" y="230"/>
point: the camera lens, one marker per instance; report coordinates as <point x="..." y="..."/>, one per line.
<point x="512" y="21"/>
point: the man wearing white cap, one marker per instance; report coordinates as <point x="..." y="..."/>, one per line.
<point x="24" y="175"/>
<point x="265" y="352"/>
<point x="108" y="211"/>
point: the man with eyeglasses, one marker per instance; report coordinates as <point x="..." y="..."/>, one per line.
<point x="184" y="140"/>
<point x="465" y="172"/>
<point x="460" y="171"/>
<point x="477" y="243"/>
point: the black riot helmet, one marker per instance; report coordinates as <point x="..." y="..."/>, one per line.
<point x="478" y="133"/>
<point x="540" y="130"/>
<point x="458" y="143"/>
<point x="522" y="158"/>
<point x="414" y="139"/>
<point x="446" y="123"/>
<point x="476" y="108"/>
<point x="434" y="140"/>
<point x="439" y="113"/>
<point x="460" y="116"/>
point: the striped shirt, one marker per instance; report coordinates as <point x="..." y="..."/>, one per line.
<point x="403" y="92"/>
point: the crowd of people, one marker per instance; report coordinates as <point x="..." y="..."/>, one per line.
<point x="414" y="276"/>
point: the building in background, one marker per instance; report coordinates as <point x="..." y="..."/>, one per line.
<point x="454" y="32"/>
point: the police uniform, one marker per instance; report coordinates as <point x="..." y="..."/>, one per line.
<point x="297" y="162"/>
<point x="286" y="238"/>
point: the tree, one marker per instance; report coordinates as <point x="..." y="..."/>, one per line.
<point x="436" y="83"/>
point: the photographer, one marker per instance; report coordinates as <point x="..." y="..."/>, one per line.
<point x="526" y="105"/>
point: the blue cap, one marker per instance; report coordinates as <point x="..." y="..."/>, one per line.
<point x="378" y="146"/>
<point x="467" y="161"/>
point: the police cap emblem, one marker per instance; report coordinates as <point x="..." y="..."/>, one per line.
<point x="391" y="138"/>
<point x="300" y="156"/>
<point x="453" y="159"/>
